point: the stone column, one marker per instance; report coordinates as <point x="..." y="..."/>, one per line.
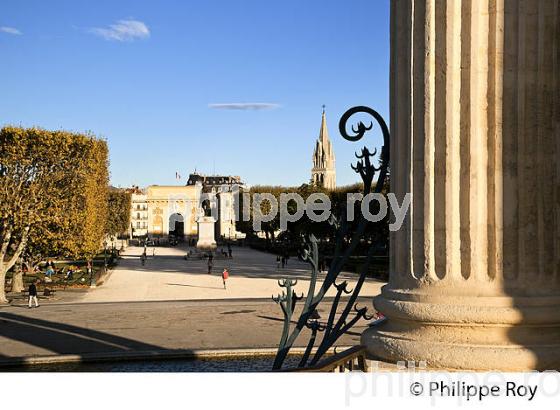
<point x="475" y="127"/>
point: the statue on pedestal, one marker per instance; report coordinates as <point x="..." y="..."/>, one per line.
<point x="206" y="228"/>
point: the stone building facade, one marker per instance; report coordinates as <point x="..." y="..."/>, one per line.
<point x="139" y="214"/>
<point x="164" y="210"/>
<point x="173" y="210"/>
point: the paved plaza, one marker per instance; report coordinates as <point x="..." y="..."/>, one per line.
<point x="168" y="276"/>
<point x="167" y="304"/>
<point x="83" y="328"/>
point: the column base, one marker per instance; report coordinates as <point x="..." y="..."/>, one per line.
<point x="467" y="333"/>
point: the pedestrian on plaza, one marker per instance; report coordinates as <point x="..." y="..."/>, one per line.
<point x="283" y="261"/>
<point x="229" y="250"/>
<point x="143" y="258"/>
<point x="277" y="261"/>
<point x="33" y="294"/>
<point x="225" y="276"/>
<point x="210" y="266"/>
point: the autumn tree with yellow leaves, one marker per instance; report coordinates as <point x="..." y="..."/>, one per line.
<point x="53" y="195"/>
<point x="118" y="216"/>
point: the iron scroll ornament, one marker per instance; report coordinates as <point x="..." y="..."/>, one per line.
<point x="359" y="134"/>
<point x="333" y="329"/>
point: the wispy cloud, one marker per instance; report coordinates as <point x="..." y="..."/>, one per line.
<point x="11" y="30"/>
<point x="123" y="30"/>
<point x="245" y="106"/>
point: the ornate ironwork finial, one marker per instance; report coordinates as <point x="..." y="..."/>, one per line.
<point x="364" y="166"/>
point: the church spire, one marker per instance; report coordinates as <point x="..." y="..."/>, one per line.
<point x="323" y="172"/>
<point x="324" y="133"/>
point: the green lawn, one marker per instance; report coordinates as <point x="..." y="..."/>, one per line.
<point x="80" y="278"/>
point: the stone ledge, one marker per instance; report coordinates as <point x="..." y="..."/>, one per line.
<point x="163" y="354"/>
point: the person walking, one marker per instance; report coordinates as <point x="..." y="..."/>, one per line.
<point x="283" y="261"/>
<point x="210" y="266"/>
<point x="225" y="276"/>
<point x="229" y="251"/>
<point x="143" y="258"/>
<point x="277" y="262"/>
<point x="33" y="295"/>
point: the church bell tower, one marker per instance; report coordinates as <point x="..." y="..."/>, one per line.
<point x="323" y="172"/>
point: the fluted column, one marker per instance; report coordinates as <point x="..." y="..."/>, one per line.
<point x="475" y="126"/>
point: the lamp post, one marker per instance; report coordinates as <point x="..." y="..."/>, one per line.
<point x="105" y="254"/>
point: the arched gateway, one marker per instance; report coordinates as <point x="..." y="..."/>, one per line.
<point x="177" y="225"/>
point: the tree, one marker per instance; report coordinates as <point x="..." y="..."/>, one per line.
<point x="53" y="188"/>
<point x="118" y="217"/>
<point x="86" y="223"/>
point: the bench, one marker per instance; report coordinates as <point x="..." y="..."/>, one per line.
<point x="46" y="292"/>
<point x="49" y="292"/>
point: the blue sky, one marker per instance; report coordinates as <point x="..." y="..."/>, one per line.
<point x="143" y="74"/>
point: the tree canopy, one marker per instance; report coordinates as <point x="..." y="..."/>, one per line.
<point x="118" y="217"/>
<point x="53" y="194"/>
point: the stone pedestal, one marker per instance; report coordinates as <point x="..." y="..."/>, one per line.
<point x="206" y="233"/>
<point x="475" y="127"/>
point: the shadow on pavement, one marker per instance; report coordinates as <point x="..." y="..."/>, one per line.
<point x="63" y="338"/>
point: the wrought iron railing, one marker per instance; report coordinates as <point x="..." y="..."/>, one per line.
<point x="334" y="327"/>
<point x="353" y="359"/>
